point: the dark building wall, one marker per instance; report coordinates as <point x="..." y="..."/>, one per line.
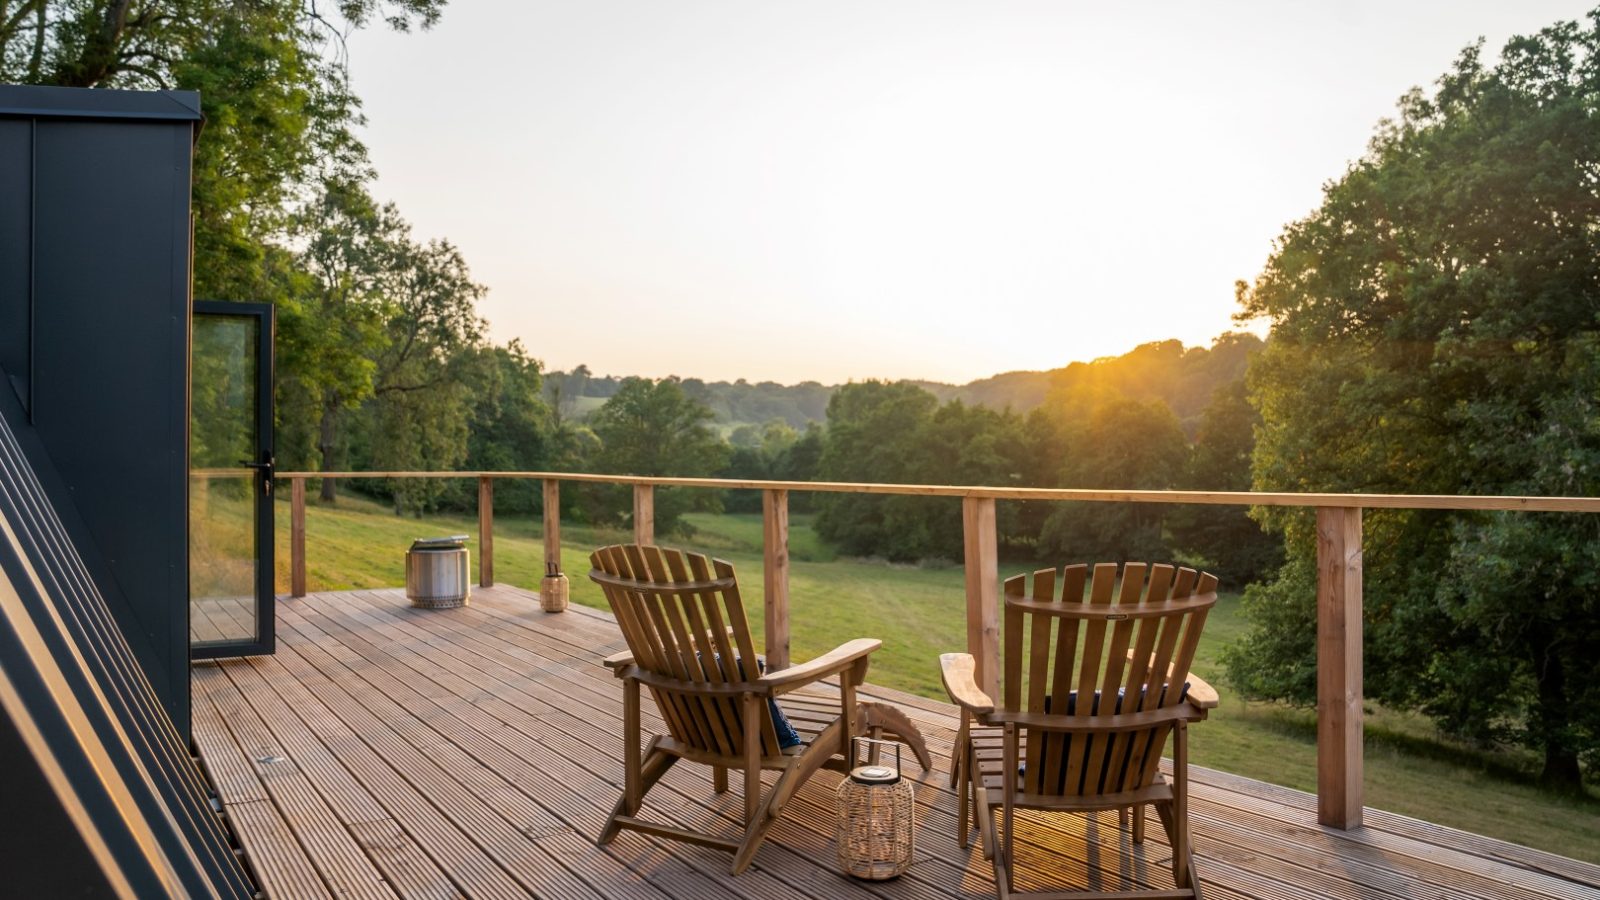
<point x="94" y="334"/>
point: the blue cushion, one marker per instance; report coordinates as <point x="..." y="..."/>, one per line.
<point x="787" y="736"/>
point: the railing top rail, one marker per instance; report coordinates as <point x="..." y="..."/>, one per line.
<point x="1212" y="498"/>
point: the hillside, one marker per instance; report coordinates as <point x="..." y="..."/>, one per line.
<point x="1181" y="377"/>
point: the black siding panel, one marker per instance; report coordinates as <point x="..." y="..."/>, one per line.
<point x="16" y="246"/>
<point x="110" y="348"/>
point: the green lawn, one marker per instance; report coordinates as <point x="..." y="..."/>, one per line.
<point x="919" y="612"/>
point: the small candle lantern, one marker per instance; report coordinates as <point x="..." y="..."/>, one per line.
<point x="877" y="819"/>
<point x="553" y="589"/>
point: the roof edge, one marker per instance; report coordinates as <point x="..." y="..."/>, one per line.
<point x="47" y="101"/>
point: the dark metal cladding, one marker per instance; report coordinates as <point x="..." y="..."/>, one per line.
<point x="94" y="336"/>
<point x="94" y="656"/>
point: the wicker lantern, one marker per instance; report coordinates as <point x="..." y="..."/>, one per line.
<point x="877" y="820"/>
<point x="553" y="589"/>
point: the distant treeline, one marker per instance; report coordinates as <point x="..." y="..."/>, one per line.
<point x="1117" y="422"/>
<point x="1183" y="379"/>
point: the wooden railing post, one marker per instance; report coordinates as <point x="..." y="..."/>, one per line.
<point x="485" y="531"/>
<point x="775" y="576"/>
<point x="982" y="551"/>
<point x="644" y="514"/>
<point x="297" y="537"/>
<point x="552" y="524"/>
<point x="1339" y="751"/>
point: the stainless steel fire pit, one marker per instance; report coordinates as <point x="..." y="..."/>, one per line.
<point x="436" y="572"/>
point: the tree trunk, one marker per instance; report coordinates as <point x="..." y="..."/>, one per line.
<point x="1552" y="718"/>
<point x="326" y="443"/>
<point x="99" y="56"/>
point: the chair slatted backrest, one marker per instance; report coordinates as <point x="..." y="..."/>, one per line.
<point x="1092" y="650"/>
<point x="684" y="622"/>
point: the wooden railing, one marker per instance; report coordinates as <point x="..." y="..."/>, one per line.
<point x="1339" y="638"/>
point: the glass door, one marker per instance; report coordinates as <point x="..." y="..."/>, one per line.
<point x="230" y="480"/>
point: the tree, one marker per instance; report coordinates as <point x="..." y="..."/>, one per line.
<point x="430" y="365"/>
<point x="654" y="428"/>
<point x="1119" y="444"/>
<point x="511" y="427"/>
<point x="334" y="334"/>
<point x="875" y="433"/>
<point x="1435" y="331"/>
<point x="1224" y="539"/>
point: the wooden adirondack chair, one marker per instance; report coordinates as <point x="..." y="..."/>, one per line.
<point x="1082" y="733"/>
<point x="689" y="643"/>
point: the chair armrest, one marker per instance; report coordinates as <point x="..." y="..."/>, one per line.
<point x="831" y="663"/>
<point x="1201" y="694"/>
<point x="959" y="671"/>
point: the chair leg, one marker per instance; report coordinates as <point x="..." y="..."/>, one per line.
<point x="752" y="756"/>
<point x="1002" y="880"/>
<point x="656" y="763"/>
<point x="985" y="813"/>
<point x="719" y="779"/>
<point x="1008" y="792"/>
<point x="799" y="769"/>
<point x="958" y="783"/>
<point x="1138" y="823"/>
<point x="959" y="749"/>
<point x="1182" y="854"/>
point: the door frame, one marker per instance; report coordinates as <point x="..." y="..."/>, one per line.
<point x="265" y="642"/>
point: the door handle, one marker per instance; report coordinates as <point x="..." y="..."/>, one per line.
<point x="264" y="469"/>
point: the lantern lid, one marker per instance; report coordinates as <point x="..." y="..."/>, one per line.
<point x="874" y="775"/>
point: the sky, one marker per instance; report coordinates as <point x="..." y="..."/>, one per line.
<point x="830" y="191"/>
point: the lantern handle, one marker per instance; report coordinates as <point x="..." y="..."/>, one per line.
<point x="867" y="740"/>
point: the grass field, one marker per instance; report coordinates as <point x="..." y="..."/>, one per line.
<point x="919" y="612"/>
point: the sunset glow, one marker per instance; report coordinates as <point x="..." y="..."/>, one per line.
<point x="832" y="191"/>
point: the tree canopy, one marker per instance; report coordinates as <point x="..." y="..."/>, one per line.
<point x="1436" y="329"/>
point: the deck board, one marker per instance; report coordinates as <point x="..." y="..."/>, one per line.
<point x="474" y="753"/>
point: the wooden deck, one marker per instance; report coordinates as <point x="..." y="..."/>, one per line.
<point x="473" y="753"/>
<point x="220" y="619"/>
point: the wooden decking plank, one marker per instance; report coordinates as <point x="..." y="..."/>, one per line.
<point x="532" y="822"/>
<point x="532" y="866"/>
<point x="1534" y="860"/>
<point x="282" y="869"/>
<point x="472" y="870"/>
<point x="1411" y="852"/>
<point x="344" y="796"/>
<point x="276" y="858"/>
<point x="1320" y="848"/>
<point x="413" y="875"/>
<point x="343" y="866"/>
<point x="407" y="869"/>
<point x="225" y="765"/>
